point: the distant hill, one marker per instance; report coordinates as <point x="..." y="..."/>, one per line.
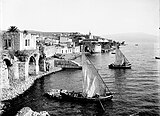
<point x="43" y="33"/>
<point x="134" y="37"/>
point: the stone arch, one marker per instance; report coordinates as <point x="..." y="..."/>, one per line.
<point x="33" y="64"/>
<point x="6" y="71"/>
<point x="7" y="62"/>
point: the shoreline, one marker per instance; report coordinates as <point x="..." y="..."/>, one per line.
<point x="19" y="87"/>
<point x="15" y="91"/>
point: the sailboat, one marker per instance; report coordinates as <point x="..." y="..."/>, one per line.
<point x="121" y="61"/>
<point x="94" y="88"/>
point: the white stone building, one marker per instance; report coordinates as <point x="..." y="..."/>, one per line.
<point x="27" y="41"/>
<point x="64" y="39"/>
<point x="97" y="48"/>
<point x="19" y="40"/>
<point x="64" y="49"/>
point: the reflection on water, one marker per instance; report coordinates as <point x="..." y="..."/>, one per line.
<point x="120" y="83"/>
<point x="136" y="90"/>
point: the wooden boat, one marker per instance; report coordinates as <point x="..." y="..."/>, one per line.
<point x="157" y="57"/>
<point x="121" y="61"/>
<point x="113" y="53"/>
<point x="94" y="88"/>
<point x="113" y="66"/>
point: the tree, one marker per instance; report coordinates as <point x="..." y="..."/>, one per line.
<point x="13" y="29"/>
<point x="12" y="32"/>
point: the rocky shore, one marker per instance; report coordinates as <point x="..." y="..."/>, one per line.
<point x="17" y="87"/>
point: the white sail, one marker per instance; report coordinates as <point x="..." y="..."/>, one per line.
<point x="91" y="90"/>
<point x="92" y="82"/>
<point x="88" y="83"/>
<point x="120" y="58"/>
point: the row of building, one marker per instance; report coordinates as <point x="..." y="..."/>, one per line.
<point x="55" y="43"/>
<point x="24" y="53"/>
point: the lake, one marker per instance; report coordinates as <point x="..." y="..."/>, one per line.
<point x="136" y="91"/>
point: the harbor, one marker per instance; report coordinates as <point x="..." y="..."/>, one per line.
<point x="80" y="58"/>
<point x="129" y="98"/>
<point x="22" y="65"/>
<point x="48" y="68"/>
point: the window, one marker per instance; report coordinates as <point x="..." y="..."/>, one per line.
<point x="26" y="42"/>
<point x="9" y="43"/>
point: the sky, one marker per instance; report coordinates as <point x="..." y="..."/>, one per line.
<point x="100" y="17"/>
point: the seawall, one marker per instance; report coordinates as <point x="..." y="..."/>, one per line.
<point x="18" y="87"/>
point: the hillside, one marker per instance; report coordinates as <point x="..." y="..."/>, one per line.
<point x="134" y="37"/>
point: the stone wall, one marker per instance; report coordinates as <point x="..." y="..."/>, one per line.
<point x="22" y="70"/>
<point x="51" y="64"/>
<point x="17" y="42"/>
<point x="11" y="73"/>
<point x="4" y="81"/>
<point x="16" y="70"/>
<point x="12" y="37"/>
<point x="42" y="65"/>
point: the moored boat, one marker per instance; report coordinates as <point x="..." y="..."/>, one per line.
<point x="65" y="95"/>
<point x="157" y="57"/>
<point x="113" y="66"/>
<point x="113" y="53"/>
<point x="121" y="61"/>
<point x="94" y="88"/>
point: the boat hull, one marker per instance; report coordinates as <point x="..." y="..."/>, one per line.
<point x="84" y="99"/>
<point x="76" y="98"/>
<point x="157" y="57"/>
<point x="111" y="66"/>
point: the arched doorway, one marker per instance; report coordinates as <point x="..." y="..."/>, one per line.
<point x="6" y="72"/>
<point x="7" y="62"/>
<point x="32" y="66"/>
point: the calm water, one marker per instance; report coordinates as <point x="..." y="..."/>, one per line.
<point x="136" y="90"/>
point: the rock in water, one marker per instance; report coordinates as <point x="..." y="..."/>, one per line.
<point x="26" y="111"/>
<point x="1" y="108"/>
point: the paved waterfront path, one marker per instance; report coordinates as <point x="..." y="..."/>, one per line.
<point x="17" y="87"/>
<point x="71" y="56"/>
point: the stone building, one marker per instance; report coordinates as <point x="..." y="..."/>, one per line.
<point x="19" y="57"/>
<point x="64" y="49"/>
<point x="64" y="39"/>
<point x="19" y="40"/>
